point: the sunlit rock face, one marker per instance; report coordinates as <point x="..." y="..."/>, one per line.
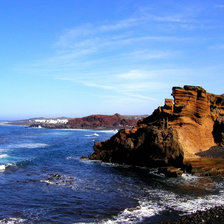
<point x="191" y="123"/>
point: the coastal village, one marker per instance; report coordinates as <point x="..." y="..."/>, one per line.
<point x="49" y="121"/>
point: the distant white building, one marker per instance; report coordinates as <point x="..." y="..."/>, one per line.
<point x="51" y="121"/>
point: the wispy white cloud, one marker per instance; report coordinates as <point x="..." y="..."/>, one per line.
<point x="119" y="57"/>
<point x="90" y="30"/>
<point x="136" y="84"/>
<point x="133" y="75"/>
<point x="98" y="85"/>
<point x="150" y="54"/>
<point x="172" y="18"/>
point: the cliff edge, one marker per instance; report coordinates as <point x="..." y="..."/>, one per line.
<point x="190" y="123"/>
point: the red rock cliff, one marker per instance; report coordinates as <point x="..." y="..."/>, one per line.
<point x="102" y="121"/>
<point x="192" y="123"/>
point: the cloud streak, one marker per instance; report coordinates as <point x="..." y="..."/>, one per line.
<point x="131" y="58"/>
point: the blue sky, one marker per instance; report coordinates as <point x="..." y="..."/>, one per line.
<point x="78" y="57"/>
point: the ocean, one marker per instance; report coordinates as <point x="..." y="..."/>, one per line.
<point x="43" y="180"/>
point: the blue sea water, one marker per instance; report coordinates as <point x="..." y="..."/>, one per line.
<point x="43" y="180"/>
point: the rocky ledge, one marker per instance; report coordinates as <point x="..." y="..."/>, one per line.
<point x="172" y="136"/>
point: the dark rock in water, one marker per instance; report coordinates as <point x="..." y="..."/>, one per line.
<point x="171" y="171"/>
<point x="30" y="180"/>
<point x="50" y="179"/>
<point x="190" y="124"/>
<point x="56" y="176"/>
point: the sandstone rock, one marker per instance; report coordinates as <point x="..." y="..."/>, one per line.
<point x="192" y="123"/>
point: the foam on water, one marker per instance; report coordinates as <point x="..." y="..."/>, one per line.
<point x="2" y="168"/>
<point x="92" y="135"/>
<point x="15" y="164"/>
<point x="63" y="181"/>
<point x="109" y="131"/>
<point x="3" y="156"/>
<point x="190" y="177"/>
<point x="161" y="200"/>
<point x="27" y="145"/>
<point x="12" y="220"/>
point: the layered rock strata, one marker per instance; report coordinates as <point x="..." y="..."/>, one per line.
<point x="191" y="123"/>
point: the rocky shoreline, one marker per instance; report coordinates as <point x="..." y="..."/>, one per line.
<point x="211" y="216"/>
<point x="185" y="135"/>
<point x="174" y="137"/>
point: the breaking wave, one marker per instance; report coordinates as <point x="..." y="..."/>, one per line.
<point x="92" y="135"/>
<point x="3" y="156"/>
<point x="2" y="168"/>
<point x="28" y="145"/>
<point x="12" y="220"/>
<point x="158" y="201"/>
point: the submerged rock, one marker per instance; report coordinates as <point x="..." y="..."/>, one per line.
<point x="171" y="171"/>
<point x="190" y="124"/>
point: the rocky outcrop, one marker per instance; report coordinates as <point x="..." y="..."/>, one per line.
<point x="143" y="146"/>
<point x="189" y="124"/>
<point x="102" y="121"/>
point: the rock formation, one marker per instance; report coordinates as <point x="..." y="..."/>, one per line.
<point x="102" y="121"/>
<point x="192" y="123"/>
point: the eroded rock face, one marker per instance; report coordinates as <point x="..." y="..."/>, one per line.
<point x="192" y="123"/>
<point x="143" y="146"/>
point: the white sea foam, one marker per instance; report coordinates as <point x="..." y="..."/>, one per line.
<point x="2" y="168"/>
<point x="109" y="131"/>
<point x="12" y="220"/>
<point x="63" y="181"/>
<point x="73" y="157"/>
<point x="161" y="200"/>
<point x="5" y="166"/>
<point x="3" y="156"/>
<point x="190" y="177"/>
<point x="28" y="145"/>
<point x="91" y="135"/>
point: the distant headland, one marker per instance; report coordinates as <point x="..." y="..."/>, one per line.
<point x="97" y="121"/>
